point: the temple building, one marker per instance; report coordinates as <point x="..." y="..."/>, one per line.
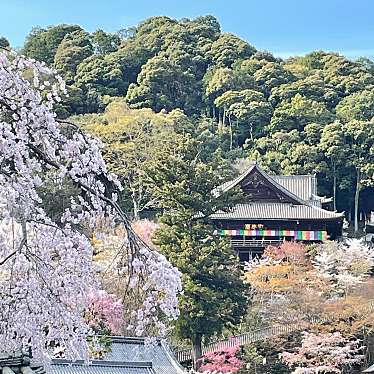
<point x="274" y="209"/>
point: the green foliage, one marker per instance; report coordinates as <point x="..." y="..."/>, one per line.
<point x="73" y="49"/>
<point x="228" y="48"/>
<point x="98" y="74"/>
<point x="131" y="56"/>
<point x="57" y="197"/>
<point x="41" y="44"/>
<point x="4" y="42"/>
<point x="359" y="143"/>
<point x="214" y="294"/>
<point x="252" y="359"/>
<point x="297" y="113"/>
<point x="104" y="43"/>
<point x="313" y="87"/>
<point x="163" y="84"/>
<point x="238" y="99"/>
<point x="151" y="32"/>
<point x="358" y="106"/>
<point x="131" y="138"/>
<point x="263" y="357"/>
<point x="250" y="110"/>
<point x="218" y="81"/>
<point x="272" y="75"/>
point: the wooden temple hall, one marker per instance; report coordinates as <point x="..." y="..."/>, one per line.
<point x="274" y="209"/>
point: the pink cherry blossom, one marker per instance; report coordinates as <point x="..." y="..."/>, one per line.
<point x="105" y="310"/>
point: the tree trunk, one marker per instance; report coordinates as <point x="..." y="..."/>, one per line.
<point x="231" y="135"/>
<point x="357" y="196"/>
<point x="334" y="187"/>
<point x="369" y="343"/>
<point x="196" y="352"/>
<point x="251" y="131"/>
<point x="135" y="210"/>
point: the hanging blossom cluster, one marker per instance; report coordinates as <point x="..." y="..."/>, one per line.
<point x="145" y="308"/>
<point x="46" y="267"/>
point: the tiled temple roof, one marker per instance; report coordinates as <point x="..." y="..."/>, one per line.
<point x="276" y="211"/>
<point x="303" y="186"/>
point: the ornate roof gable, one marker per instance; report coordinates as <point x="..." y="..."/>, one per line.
<point x="258" y="186"/>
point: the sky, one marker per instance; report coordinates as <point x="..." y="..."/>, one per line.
<point x="283" y="27"/>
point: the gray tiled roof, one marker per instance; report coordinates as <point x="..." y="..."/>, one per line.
<point x="275" y="211"/>
<point x="229" y="185"/>
<point x="162" y="360"/>
<point x="303" y="186"/>
<point x="80" y="368"/>
<point x="128" y="356"/>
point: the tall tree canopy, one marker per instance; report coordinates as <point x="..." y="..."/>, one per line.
<point x="73" y="49"/>
<point x="41" y="44"/>
<point x="252" y="100"/>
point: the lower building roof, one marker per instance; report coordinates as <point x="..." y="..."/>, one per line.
<point x="81" y="368"/>
<point x="127" y="356"/>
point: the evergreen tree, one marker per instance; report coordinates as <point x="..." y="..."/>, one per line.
<point x="4" y="42"/>
<point x="214" y="294"/>
<point x="41" y="44"/>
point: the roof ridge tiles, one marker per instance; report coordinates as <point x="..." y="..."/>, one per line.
<point x="138" y="364"/>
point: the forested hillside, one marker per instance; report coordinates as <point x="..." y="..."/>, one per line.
<point x="309" y="114"/>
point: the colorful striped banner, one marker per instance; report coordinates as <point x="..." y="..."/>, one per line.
<point x="306" y="235"/>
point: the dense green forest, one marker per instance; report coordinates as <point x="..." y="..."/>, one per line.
<point x="143" y="88"/>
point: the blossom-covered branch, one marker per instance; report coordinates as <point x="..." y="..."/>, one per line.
<point x="46" y="266"/>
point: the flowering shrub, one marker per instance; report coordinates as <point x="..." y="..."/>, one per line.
<point x="344" y="265"/>
<point x="222" y="361"/>
<point x="293" y="252"/>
